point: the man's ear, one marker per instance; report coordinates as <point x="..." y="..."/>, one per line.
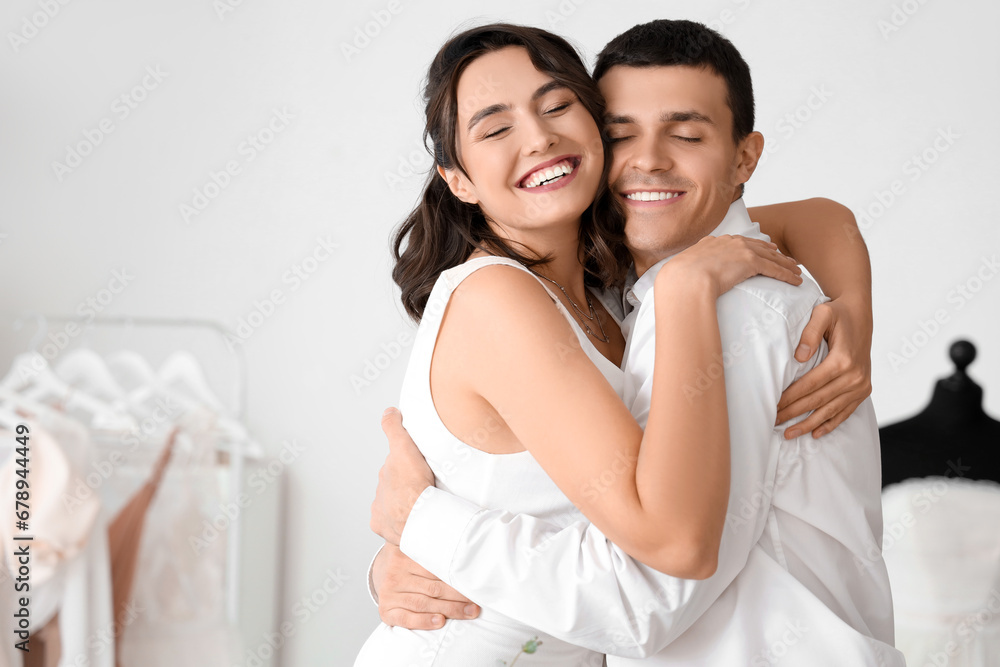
<point x="748" y="154"/>
<point x="459" y="185"/>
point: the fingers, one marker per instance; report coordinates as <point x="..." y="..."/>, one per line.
<point x="771" y="263"/>
<point x="820" y="322"/>
<point x="422" y="612"/>
<point x="837" y="419"/>
<point x="411" y="620"/>
<point x="792" y="402"/>
<point x="392" y="426"/>
<point x="816" y="422"/>
<point x="408" y="576"/>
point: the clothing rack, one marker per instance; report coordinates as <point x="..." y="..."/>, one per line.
<point x="236" y="455"/>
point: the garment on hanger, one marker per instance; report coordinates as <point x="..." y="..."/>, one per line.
<point x="70" y="537"/>
<point x="106" y="468"/>
<point x="180" y="577"/>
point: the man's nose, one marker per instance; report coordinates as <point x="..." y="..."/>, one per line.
<point x="651" y="154"/>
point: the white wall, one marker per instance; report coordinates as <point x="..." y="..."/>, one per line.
<point x="354" y="120"/>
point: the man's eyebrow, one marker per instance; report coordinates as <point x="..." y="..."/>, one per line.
<point x="543" y="90"/>
<point x="690" y="116"/>
<point x="666" y="117"/>
<point x="617" y="119"/>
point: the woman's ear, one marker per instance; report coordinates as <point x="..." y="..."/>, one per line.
<point x="459" y="185"/>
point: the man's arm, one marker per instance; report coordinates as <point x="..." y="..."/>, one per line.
<point x="572" y="582"/>
<point x="824" y="236"/>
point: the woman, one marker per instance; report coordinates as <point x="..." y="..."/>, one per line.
<point x="520" y="205"/>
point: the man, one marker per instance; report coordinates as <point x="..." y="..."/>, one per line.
<point x="800" y="576"/>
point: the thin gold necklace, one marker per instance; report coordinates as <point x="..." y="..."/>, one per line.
<point x="604" y="338"/>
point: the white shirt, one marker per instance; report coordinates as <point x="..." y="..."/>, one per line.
<point x="800" y="578"/>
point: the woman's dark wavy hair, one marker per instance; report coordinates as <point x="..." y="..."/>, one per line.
<point x="442" y="230"/>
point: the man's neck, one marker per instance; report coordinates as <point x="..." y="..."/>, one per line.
<point x="643" y="261"/>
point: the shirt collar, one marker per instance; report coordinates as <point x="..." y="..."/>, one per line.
<point x="737" y="223"/>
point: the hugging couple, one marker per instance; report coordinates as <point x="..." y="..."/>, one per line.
<point x="626" y="440"/>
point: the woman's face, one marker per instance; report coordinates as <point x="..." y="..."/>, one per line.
<point x="532" y="151"/>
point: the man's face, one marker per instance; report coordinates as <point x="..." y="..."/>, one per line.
<point x="676" y="167"/>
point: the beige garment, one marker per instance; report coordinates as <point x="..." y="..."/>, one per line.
<point x="125" y="536"/>
<point x="59" y="522"/>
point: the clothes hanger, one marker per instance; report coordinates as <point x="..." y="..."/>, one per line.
<point x="182" y="371"/>
<point x="33" y="380"/>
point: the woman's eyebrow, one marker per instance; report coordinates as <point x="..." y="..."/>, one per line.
<point x="542" y="90"/>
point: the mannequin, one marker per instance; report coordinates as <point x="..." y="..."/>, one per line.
<point x="952" y="437"/>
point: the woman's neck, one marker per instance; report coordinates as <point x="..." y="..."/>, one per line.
<point x="562" y="245"/>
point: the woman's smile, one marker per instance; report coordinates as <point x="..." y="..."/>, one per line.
<point x="550" y="175"/>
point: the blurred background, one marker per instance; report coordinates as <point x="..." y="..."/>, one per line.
<point x="242" y="163"/>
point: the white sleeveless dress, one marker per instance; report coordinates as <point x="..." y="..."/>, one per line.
<point x="493" y="481"/>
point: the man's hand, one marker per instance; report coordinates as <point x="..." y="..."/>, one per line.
<point x="402" y="478"/>
<point x="412" y="597"/>
<point x="838" y="385"/>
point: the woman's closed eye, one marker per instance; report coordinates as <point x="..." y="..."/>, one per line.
<point x="496" y="132"/>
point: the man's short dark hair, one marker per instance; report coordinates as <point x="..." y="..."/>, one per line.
<point x="666" y="43"/>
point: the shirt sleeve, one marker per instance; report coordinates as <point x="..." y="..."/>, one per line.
<point x="371" y="584"/>
<point x="571" y="581"/>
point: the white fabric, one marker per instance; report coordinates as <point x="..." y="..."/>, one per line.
<point x="800" y="579"/>
<point x="515" y="482"/>
<point x="942" y="549"/>
<point x="178" y="594"/>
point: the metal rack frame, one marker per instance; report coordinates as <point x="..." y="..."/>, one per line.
<point x="236" y="457"/>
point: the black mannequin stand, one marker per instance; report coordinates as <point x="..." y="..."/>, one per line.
<point x="951" y="437"/>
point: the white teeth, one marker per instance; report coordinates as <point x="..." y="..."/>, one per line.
<point x="549" y="173"/>
<point x="649" y="195"/>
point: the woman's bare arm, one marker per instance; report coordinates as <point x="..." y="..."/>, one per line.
<point x="824" y="236"/>
<point x="559" y="406"/>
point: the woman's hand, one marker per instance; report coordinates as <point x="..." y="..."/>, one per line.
<point x="726" y="260"/>
<point x="838" y="385"/>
